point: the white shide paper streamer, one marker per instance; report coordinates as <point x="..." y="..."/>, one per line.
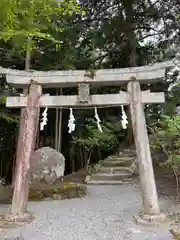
<point x="71" y="123"/>
<point x="97" y="120"/>
<point x="124" y="121"/>
<point x="44" y="119"/>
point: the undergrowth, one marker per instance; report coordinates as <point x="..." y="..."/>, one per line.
<point x="166" y="136"/>
<point x="92" y="145"/>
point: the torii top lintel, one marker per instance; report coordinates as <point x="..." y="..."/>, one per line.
<point x="102" y="77"/>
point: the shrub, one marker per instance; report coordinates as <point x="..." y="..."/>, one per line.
<point x="166" y="135"/>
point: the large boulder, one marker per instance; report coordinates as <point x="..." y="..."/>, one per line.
<point x="47" y="165"/>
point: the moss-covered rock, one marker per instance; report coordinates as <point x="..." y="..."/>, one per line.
<point x="175" y="231"/>
<point x="57" y="191"/>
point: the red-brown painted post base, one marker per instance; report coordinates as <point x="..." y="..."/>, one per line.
<point x="26" y="217"/>
<point x="18" y="211"/>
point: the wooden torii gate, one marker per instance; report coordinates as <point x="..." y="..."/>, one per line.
<point x="36" y="80"/>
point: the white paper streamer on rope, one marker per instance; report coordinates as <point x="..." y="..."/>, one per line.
<point x="124" y="121"/>
<point x="71" y="124"/>
<point x="44" y="118"/>
<point x="97" y="119"/>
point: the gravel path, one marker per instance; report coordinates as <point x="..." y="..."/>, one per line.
<point x="105" y="214"/>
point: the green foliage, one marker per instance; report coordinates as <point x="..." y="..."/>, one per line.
<point x="105" y="140"/>
<point x="96" y="143"/>
<point x="5" y="113"/>
<point x="166" y="135"/>
<point x="9" y="117"/>
<point x="25" y="20"/>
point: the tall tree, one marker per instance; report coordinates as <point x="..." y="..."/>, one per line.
<point x="26" y="23"/>
<point x="132" y="45"/>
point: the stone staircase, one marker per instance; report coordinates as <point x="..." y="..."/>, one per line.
<point x="116" y="169"/>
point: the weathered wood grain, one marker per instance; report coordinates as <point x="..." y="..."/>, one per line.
<point x="109" y="77"/>
<point x="94" y="100"/>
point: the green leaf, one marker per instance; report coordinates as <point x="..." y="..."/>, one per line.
<point x="21" y="19"/>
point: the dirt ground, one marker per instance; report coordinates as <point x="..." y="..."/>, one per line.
<point x="78" y="177"/>
<point x="165" y="181"/>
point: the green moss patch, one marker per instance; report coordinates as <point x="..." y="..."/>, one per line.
<point x="57" y="191"/>
<point x="175" y="232"/>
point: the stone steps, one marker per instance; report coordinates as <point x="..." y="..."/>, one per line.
<point x="127" y="154"/>
<point x="118" y="161"/>
<point x="120" y="158"/>
<point x="114" y="170"/>
<point x="104" y="169"/>
<point x="110" y="176"/>
<point x="112" y="182"/>
<point x="129" y="151"/>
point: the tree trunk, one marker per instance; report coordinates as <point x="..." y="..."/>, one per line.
<point x="137" y="126"/>
<point x="56" y="124"/>
<point x="58" y="128"/>
<point x="128" y="7"/>
<point x="59" y="146"/>
<point x="27" y="139"/>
